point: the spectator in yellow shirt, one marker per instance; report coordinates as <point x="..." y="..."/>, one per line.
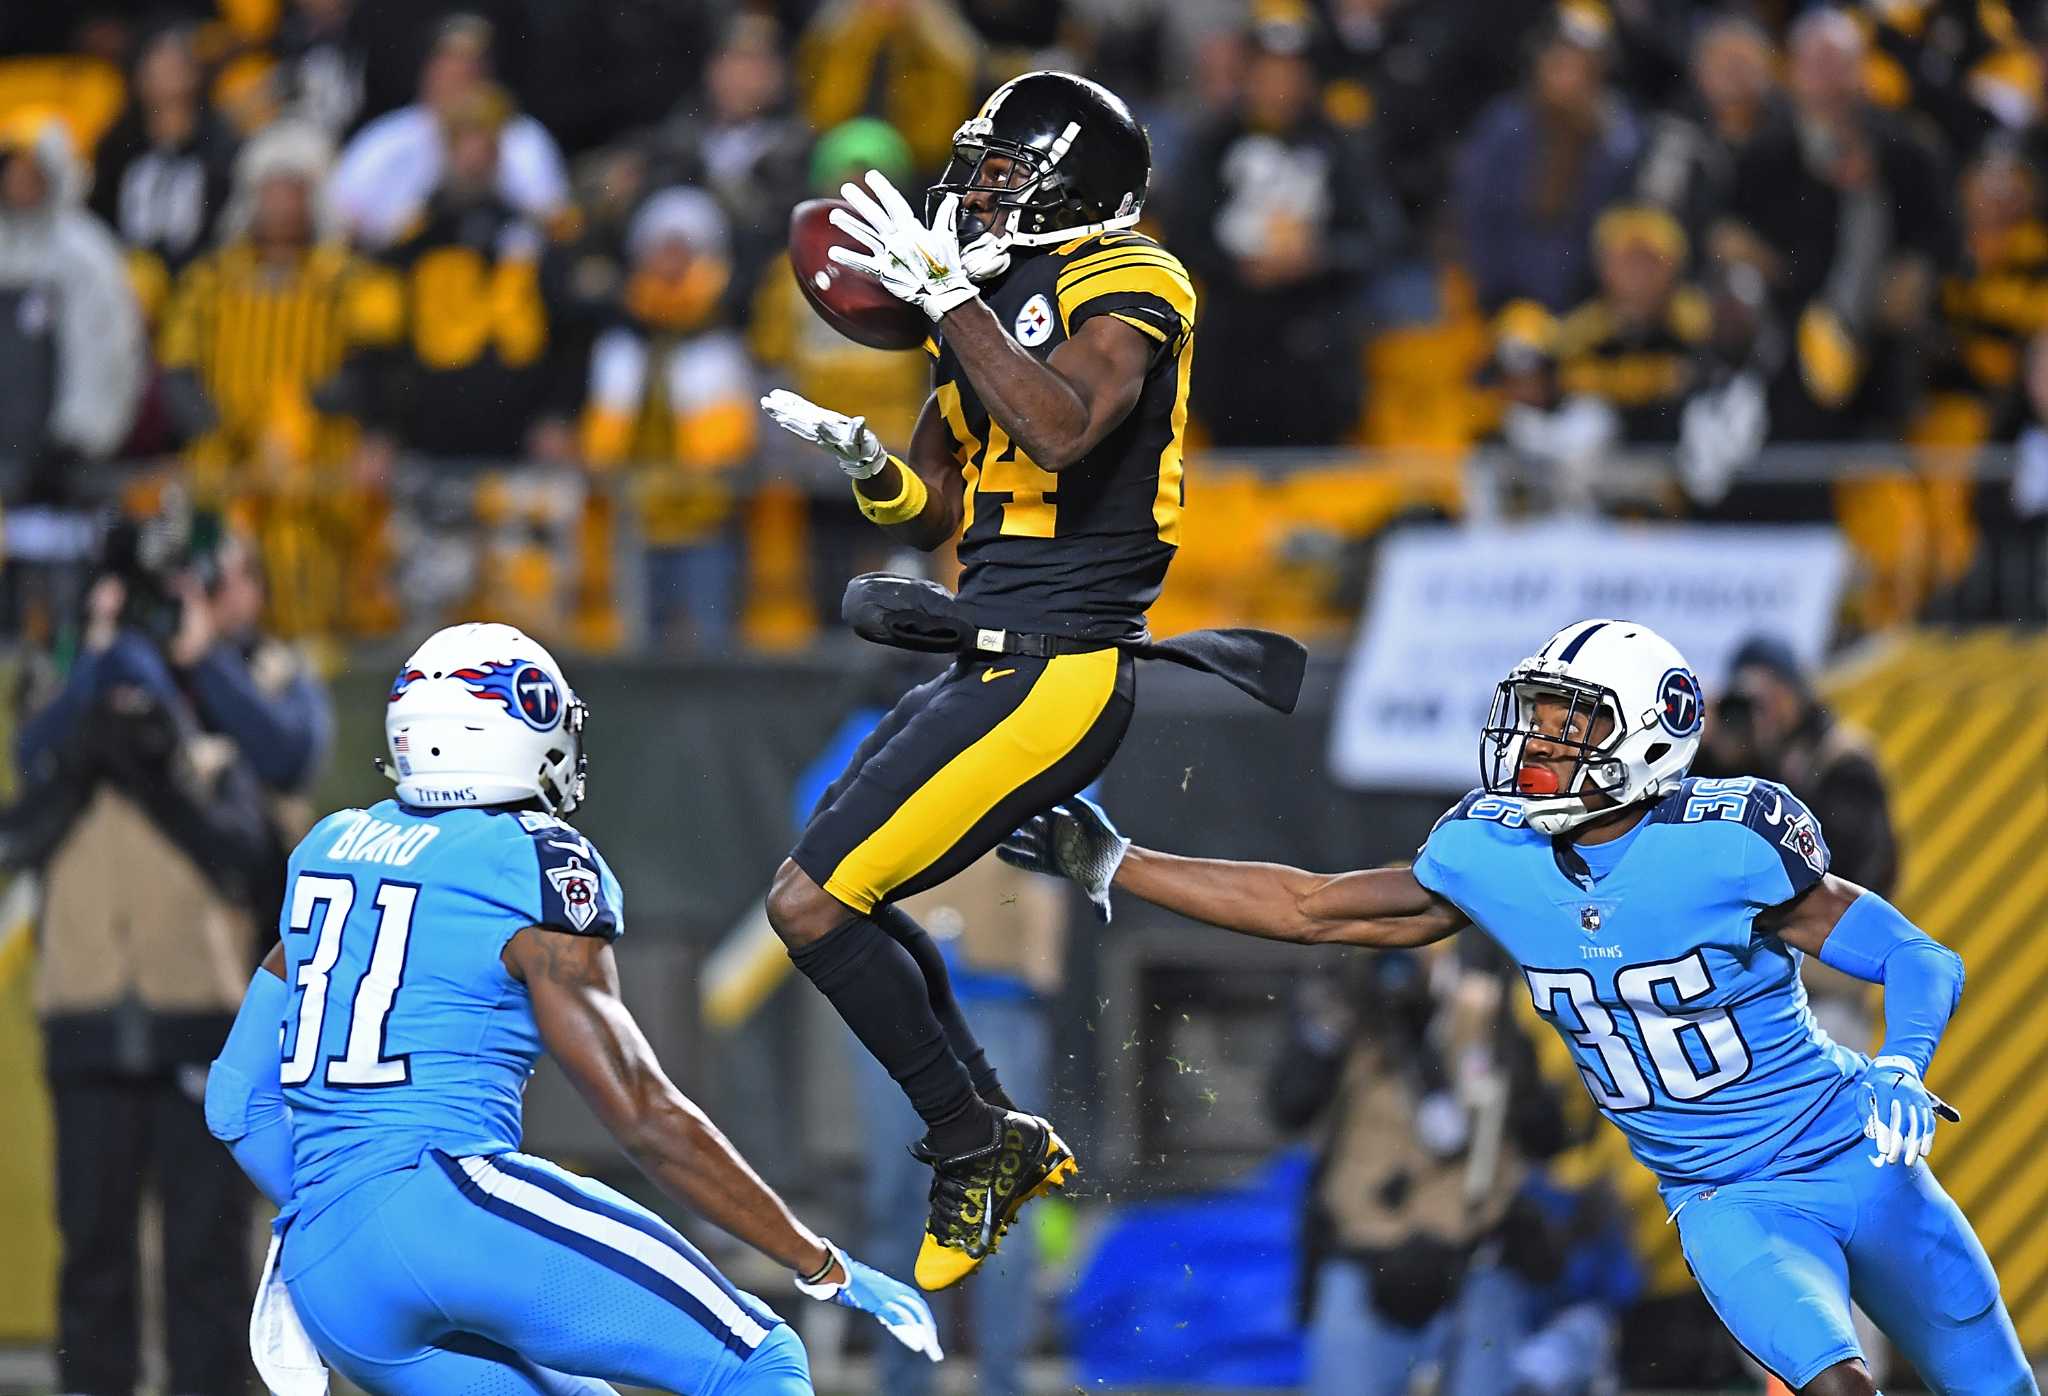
<point x="671" y="402"/>
<point x="253" y="332"/>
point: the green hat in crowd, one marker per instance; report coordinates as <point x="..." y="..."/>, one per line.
<point x="852" y="148"/>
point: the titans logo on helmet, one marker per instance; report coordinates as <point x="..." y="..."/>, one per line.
<point x="526" y="690"/>
<point x="1679" y="706"/>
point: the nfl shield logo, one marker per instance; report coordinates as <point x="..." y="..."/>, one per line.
<point x="1589" y="920"/>
<point x="1034" y="322"/>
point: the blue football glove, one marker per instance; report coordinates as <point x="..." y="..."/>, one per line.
<point x="1074" y="840"/>
<point x="1900" y="1112"/>
<point x="893" y="1304"/>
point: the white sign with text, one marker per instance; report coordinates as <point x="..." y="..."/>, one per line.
<point x="1453" y="609"/>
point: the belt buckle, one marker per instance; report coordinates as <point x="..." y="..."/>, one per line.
<point x="991" y="641"/>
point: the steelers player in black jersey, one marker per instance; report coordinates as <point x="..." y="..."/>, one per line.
<point x="1051" y="447"/>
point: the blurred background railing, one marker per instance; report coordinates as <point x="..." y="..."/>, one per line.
<point x="1281" y="538"/>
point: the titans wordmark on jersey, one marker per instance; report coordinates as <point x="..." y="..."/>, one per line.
<point x="1084" y="552"/>
<point x="405" y="1030"/>
<point x="1690" y="1026"/>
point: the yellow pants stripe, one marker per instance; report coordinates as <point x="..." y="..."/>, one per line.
<point x="1062" y="707"/>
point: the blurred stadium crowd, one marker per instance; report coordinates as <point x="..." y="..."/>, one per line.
<point x="335" y="265"/>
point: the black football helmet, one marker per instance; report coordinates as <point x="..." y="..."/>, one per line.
<point x="1079" y="161"/>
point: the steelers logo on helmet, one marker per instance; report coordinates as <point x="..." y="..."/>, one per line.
<point x="1679" y="706"/>
<point x="538" y="697"/>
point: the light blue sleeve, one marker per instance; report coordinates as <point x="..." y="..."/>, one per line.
<point x="245" y="1107"/>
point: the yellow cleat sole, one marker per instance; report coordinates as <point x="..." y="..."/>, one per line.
<point x="941" y="1267"/>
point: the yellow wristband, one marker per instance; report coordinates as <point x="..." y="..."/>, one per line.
<point x="904" y="507"/>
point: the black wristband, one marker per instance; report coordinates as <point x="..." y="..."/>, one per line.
<point x="831" y="1259"/>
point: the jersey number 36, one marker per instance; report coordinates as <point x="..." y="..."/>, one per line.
<point x="1694" y="1053"/>
<point x="362" y="1061"/>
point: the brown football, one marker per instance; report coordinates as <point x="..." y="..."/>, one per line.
<point x="853" y="304"/>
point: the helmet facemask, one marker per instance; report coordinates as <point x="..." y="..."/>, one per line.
<point x="1513" y="723"/>
<point x="566" y="772"/>
<point x="1033" y="202"/>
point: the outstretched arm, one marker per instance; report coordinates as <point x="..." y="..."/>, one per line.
<point x="1863" y="935"/>
<point x="919" y="497"/>
<point x="931" y="459"/>
<point x="574" y="984"/>
<point x="1383" y="907"/>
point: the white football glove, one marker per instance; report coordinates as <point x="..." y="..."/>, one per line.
<point x="914" y="263"/>
<point x="859" y="450"/>
<point x="1900" y="1112"/>
<point x="1075" y="840"/>
<point x="890" y="1302"/>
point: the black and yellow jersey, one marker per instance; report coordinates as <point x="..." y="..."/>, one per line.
<point x="477" y="340"/>
<point x="1082" y="553"/>
<point x="1644" y="371"/>
<point x="1993" y="304"/>
<point x="262" y="338"/>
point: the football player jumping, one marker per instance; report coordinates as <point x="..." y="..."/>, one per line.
<point x="433" y="946"/>
<point x="1659" y="922"/>
<point x="1051" y="446"/>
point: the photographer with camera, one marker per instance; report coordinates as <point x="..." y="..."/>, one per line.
<point x="159" y="783"/>
<point x="1420" y="1247"/>
<point x="1769" y="722"/>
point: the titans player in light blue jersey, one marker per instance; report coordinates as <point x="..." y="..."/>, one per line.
<point x="1659" y="922"/>
<point x="432" y="947"/>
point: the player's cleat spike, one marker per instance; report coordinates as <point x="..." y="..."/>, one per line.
<point x="975" y="1196"/>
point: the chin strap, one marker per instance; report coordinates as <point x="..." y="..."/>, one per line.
<point x="1556" y="814"/>
<point x="987" y="257"/>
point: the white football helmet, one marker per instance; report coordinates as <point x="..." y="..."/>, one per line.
<point x="482" y="715"/>
<point x="1617" y="667"/>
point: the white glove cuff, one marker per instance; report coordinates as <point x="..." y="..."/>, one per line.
<point x="1904" y="1064"/>
<point x="826" y="1291"/>
<point x="869" y="465"/>
<point x="938" y="302"/>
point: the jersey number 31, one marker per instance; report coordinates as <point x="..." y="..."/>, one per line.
<point x="362" y="1061"/>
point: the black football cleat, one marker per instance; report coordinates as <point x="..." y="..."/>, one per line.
<point x="975" y="1196"/>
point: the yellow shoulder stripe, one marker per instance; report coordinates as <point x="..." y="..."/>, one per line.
<point x="1135" y="323"/>
<point x="1140" y="252"/>
<point x="1122" y="238"/>
<point x="1147" y="277"/>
